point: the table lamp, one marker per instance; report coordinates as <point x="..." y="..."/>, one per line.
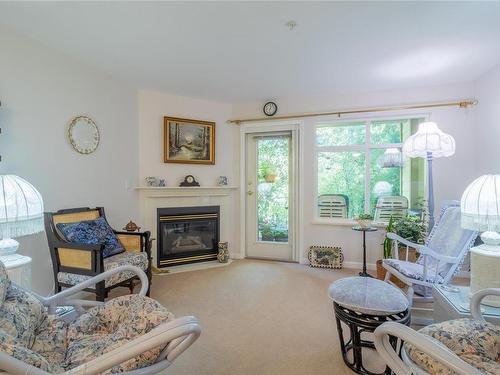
<point x="21" y="211"/>
<point x="480" y="206"/>
<point x="429" y="142"/>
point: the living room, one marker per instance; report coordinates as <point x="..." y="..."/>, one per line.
<point x="309" y="115"/>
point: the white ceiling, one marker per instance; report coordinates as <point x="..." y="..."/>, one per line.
<point x="237" y="51"/>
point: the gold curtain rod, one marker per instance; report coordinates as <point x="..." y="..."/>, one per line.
<point x="462" y="104"/>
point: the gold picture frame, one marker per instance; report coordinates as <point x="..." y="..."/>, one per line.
<point x="188" y="141"/>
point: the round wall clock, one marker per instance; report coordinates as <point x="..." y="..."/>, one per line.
<point x="83" y="134"/>
<point x="270" y="109"/>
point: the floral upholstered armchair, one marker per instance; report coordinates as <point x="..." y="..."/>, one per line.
<point x="82" y="245"/>
<point x="455" y="347"/>
<point x="132" y="334"/>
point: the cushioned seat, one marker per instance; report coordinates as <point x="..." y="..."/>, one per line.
<point x="475" y="342"/>
<point x="126" y="258"/>
<point x="29" y="334"/>
<point x="414" y="270"/>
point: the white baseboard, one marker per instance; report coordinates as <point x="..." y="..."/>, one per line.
<point x="236" y="256"/>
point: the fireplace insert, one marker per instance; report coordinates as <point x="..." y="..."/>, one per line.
<point x="187" y="235"/>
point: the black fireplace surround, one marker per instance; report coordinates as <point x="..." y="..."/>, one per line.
<point x="187" y="235"/>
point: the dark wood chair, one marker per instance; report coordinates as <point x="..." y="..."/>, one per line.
<point x="73" y="262"/>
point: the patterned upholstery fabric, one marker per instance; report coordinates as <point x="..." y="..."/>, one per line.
<point x="93" y="232"/>
<point x="108" y="327"/>
<point x="475" y="342"/>
<point x="126" y="258"/>
<point x="29" y="334"/>
<point x="4" y="282"/>
<point x="20" y="315"/>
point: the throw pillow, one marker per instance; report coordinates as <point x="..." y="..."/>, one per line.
<point x="93" y="232"/>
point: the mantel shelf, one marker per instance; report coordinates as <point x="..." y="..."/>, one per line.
<point x="190" y="188"/>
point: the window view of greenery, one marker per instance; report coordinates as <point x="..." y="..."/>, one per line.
<point x="358" y="157"/>
<point x="273" y="188"/>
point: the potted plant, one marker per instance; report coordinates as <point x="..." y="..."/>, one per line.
<point x="268" y="172"/>
<point x="364" y="220"/>
<point x="411" y="228"/>
<point x="266" y="232"/>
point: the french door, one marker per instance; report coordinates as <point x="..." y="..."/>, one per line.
<point x="270" y="191"/>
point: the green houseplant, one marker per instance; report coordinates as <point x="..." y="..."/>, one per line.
<point x="364" y="220"/>
<point x="411" y="228"/>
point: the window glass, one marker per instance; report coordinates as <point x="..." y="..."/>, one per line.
<point x="343" y="173"/>
<point x="384" y="181"/>
<point x="387" y="131"/>
<point x="341" y="134"/>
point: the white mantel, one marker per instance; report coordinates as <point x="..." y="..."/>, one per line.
<point x="151" y="198"/>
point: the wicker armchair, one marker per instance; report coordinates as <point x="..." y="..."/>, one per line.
<point x="74" y="263"/>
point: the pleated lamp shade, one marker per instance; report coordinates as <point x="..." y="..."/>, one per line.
<point x="429" y="140"/>
<point x="480" y="204"/>
<point x="21" y="208"/>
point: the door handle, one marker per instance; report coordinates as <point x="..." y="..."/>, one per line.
<point x="249" y="192"/>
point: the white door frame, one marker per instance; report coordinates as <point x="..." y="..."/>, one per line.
<point x="296" y="127"/>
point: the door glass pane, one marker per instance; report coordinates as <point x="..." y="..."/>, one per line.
<point x="385" y="181"/>
<point x="273" y="167"/>
<point x="351" y="133"/>
<point x="341" y="175"/>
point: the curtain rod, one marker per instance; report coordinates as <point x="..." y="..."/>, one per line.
<point x="462" y="104"/>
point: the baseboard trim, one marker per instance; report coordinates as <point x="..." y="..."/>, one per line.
<point x="236" y="256"/>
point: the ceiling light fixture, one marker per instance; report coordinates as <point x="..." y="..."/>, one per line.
<point x="291" y="25"/>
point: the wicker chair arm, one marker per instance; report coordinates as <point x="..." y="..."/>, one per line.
<point x="62" y="298"/>
<point x="422" y="342"/>
<point x="475" y="302"/>
<point x="183" y="331"/>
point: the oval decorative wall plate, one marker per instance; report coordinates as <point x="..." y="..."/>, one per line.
<point x="83" y="134"/>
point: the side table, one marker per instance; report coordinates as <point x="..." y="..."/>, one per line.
<point x="450" y="304"/>
<point x="18" y="268"/>
<point x="364" y="230"/>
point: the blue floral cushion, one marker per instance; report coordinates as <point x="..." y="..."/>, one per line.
<point x="93" y="232"/>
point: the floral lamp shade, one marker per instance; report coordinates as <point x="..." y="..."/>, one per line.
<point x="480" y="204"/>
<point x="429" y="140"/>
<point x="21" y="211"/>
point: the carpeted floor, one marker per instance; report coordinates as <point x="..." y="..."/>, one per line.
<point x="258" y="318"/>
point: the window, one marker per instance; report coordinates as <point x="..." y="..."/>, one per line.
<point x="359" y="162"/>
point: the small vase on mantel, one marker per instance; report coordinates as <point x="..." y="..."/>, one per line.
<point x="223" y="255"/>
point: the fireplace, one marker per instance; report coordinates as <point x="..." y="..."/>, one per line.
<point x="187" y="235"/>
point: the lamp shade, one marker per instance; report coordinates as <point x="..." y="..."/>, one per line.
<point x="429" y="140"/>
<point x="21" y="207"/>
<point x="391" y="158"/>
<point x="480" y="204"/>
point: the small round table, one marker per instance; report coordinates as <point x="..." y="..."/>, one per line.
<point x="364" y="230"/>
<point x="363" y="304"/>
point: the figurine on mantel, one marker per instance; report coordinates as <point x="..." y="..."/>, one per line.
<point x="131" y="227"/>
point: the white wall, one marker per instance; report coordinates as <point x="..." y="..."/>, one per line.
<point x="153" y="106"/>
<point x="451" y="175"/>
<point x="41" y="90"/>
<point x="488" y="119"/>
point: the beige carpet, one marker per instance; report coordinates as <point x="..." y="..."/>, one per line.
<point x="258" y="318"/>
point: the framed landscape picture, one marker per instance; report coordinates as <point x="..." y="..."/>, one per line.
<point x="189" y="141"/>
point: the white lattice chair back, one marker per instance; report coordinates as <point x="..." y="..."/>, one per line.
<point x="448" y="237"/>
<point x="333" y="206"/>
<point x="395" y="206"/>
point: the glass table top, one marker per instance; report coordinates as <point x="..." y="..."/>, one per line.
<point x="458" y="297"/>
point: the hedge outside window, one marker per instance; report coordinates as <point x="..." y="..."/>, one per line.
<point x="350" y="162"/>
